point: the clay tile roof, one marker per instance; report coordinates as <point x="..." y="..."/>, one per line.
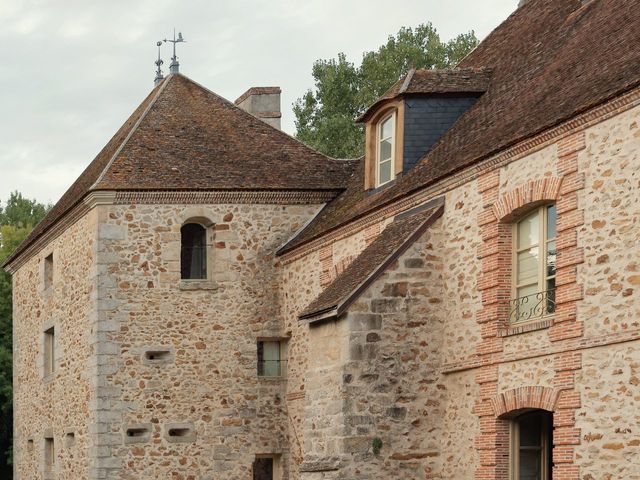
<point x="435" y="82"/>
<point x="550" y="61"/>
<point x="185" y="137"/>
<point x="390" y="244"/>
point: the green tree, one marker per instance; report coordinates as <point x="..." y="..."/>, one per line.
<point x="17" y="219"/>
<point x="343" y="91"/>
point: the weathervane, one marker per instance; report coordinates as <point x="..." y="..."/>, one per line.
<point x="158" y="63"/>
<point x="175" y="66"/>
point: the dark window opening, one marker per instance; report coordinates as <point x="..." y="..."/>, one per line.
<point x="532" y="443"/>
<point x="263" y="469"/>
<point x="193" y="253"/>
<point x="137" y="432"/>
<point x="179" y="432"/>
<point x="48" y="271"/>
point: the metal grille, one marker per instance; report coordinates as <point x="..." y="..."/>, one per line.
<point x="532" y="306"/>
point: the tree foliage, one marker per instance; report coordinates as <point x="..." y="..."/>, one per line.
<point x="343" y="91"/>
<point x="17" y="219"/>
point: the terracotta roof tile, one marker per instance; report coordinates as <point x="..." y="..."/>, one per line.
<point x="550" y="60"/>
<point x="184" y="137"/>
<point x="391" y="243"/>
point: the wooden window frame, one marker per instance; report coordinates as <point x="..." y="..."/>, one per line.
<point x="514" y="445"/>
<point x="543" y="244"/>
<point x="282" y="355"/>
<point x="379" y="139"/>
<point x="392" y="107"/>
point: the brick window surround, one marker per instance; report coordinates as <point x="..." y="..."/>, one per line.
<point x="500" y="210"/>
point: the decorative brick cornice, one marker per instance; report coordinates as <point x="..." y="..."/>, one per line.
<point x="537" y="397"/>
<point x="270" y="197"/>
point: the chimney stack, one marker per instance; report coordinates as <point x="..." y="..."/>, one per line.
<point x="263" y="103"/>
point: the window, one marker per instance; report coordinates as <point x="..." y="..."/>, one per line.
<point x="48" y="271"/>
<point x="49" y="351"/>
<point x="534" y="265"/>
<point x="49" y="454"/>
<point x="270" y="354"/>
<point x="193" y="253"/>
<point x="266" y="467"/>
<point x="531" y="444"/>
<point x="385" y="155"/>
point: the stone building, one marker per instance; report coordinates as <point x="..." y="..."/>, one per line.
<point x="213" y="300"/>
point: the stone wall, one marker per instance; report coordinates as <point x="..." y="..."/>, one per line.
<point x="59" y="405"/>
<point x="208" y="381"/>
<point x="591" y="175"/>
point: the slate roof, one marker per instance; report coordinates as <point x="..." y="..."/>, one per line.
<point x="394" y="240"/>
<point x="550" y="61"/>
<point x="435" y="82"/>
<point x="185" y="137"/>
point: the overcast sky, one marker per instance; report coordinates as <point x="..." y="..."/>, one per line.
<point x="73" y="70"/>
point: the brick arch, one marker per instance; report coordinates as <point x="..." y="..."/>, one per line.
<point x="534" y="192"/>
<point x="510" y="401"/>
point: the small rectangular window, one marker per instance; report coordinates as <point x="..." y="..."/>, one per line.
<point x="270" y="358"/>
<point x="49" y="351"/>
<point x="48" y="271"/>
<point x="267" y="467"/>
<point x="49" y="453"/>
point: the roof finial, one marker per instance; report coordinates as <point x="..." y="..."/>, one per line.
<point x="158" y="63"/>
<point x="174" y="67"/>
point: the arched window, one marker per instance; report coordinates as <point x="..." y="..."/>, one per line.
<point x="193" y="252"/>
<point x="534" y="265"/>
<point x="531" y="446"/>
<point x="385" y="171"/>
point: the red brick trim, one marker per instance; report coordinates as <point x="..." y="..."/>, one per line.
<point x="542" y="398"/>
<point x="512" y="203"/>
<point x="500" y="209"/>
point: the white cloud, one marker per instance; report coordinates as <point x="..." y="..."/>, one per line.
<point x="74" y="70"/>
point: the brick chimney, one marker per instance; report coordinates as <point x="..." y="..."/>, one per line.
<point x="262" y="102"/>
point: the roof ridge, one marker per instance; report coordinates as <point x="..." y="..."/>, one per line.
<point x="130" y="134"/>
<point x="407" y="81"/>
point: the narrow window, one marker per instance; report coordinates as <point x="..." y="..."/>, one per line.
<point x="534" y="265"/>
<point x="386" y="144"/>
<point x="193" y="254"/>
<point x="531" y="446"/>
<point x="49" y="351"/>
<point x="269" y="359"/>
<point x="48" y="271"/>
<point x="49" y="454"/>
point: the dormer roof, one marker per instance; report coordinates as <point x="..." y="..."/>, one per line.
<point x="424" y="82"/>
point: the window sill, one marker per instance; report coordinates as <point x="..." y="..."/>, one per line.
<point x="272" y="379"/>
<point x="536" y="325"/>
<point x="197" y="285"/>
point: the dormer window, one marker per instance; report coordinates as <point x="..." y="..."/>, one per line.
<point x="386" y="146"/>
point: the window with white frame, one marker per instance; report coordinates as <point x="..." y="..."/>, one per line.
<point x="534" y="265"/>
<point x="531" y="446"/>
<point x="385" y="150"/>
